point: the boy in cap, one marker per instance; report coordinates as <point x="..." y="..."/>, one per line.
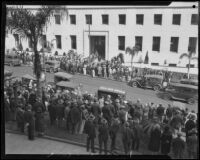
<point x="103" y="135"/>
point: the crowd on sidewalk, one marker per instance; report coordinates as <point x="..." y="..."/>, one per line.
<point x="103" y="118"/>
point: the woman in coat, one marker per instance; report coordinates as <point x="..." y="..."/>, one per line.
<point x="166" y="139"/>
<point x="154" y="143"/>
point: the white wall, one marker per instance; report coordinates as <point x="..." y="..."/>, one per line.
<point x="130" y="30"/>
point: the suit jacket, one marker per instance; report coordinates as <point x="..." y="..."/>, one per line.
<point x="90" y="129"/>
<point x="95" y="109"/>
<point x="103" y="132"/>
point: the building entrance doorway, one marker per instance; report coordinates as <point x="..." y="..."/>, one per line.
<point x="97" y="46"/>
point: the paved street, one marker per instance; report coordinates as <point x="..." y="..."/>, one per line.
<point x="19" y="144"/>
<point x="92" y="84"/>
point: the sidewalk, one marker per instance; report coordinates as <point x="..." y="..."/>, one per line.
<point x="19" y="144"/>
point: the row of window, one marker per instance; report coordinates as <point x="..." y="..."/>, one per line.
<point x="176" y="19"/>
<point x="121" y="42"/>
<point x="156" y="43"/>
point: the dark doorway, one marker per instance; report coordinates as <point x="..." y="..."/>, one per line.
<point x="97" y="46"/>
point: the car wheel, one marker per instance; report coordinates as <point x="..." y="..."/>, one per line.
<point x="156" y="88"/>
<point x="134" y="84"/>
<point x="51" y="70"/>
<point x="166" y="96"/>
<point x="191" y="101"/>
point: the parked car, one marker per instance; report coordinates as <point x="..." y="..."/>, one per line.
<point x="184" y="92"/>
<point x="51" y="66"/>
<point x="62" y="76"/>
<point x="12" y="60"/>
<point x="189" y="81"/>
<point x="114" y="93"/>
<point x="154" y="82"/>
<point x="65" y="85"/>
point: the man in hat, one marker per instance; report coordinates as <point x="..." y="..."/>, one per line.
<point x="122" y="114"/>
<point x="116" y="108"/>
<point x="107" y="114"/>
<point x="189" y="125"/>
<point x="39" y="122"/>
<point x="95" y="110"/>
<point x="75" y="116"/>
<point x="52" y="110"/>
<point x="20" y="118"/>
<point x="7" y="108"/>
<point x="192" y="142"/>
<point x="127" y="136"/>
<point x="59" y="112"/>
<point x="91" y="133"/>
<point x="103" y="135"/>
<point x="114" y="128"/>
<point x="66" y="115"/>
<point x="178" y="146"/>
<point x="29" y="122"/>
<point x="38" y="104"/>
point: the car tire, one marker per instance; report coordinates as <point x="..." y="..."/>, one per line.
<point x="191" y="101"/>
<point x="156" y="88"/>
<point x="166" y="96"/>
<point x="134" y="84"/>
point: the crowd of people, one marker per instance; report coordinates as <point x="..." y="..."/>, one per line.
<point x="103" y="118"/>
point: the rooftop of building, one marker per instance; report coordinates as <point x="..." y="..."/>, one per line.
<point x="171" y="5"/>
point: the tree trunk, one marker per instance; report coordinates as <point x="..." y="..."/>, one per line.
<point x="131" y="65"/>
<point x="189" y="69"/>
<point x="37" y="71"/>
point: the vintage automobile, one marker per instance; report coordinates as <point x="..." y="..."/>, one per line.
<point x="65" y="85"/>
<point x="51" y="66"/>
<point x="114" y="93"/>
<point x="189" y="81"/>
<point x="154" y="82"/>
<point x="62" y="76"/>
<point x="184" y="92"/>
<point x="12" y="60"/>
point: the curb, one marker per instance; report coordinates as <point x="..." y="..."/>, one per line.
<point x="59" y="140"/>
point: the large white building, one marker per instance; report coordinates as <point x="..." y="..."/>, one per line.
<point x="165" y="32"/>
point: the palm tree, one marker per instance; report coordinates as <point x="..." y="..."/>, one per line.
<point x="132" y="52"/>
<point x="189" y="56"/>
<point x="29" y="24"/>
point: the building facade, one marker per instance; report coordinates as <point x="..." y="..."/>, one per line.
<point x="164" y="32"/>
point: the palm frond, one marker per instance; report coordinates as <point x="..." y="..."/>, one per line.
<point x="184" y="55"/>
<point x="129" y="50"/>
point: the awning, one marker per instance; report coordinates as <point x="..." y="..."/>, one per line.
<point x="27" y="76"/>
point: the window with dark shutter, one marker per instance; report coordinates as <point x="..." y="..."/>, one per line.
<point x="194" y="19"/>
<point x="72" y="19"/>
<point x="139" y="19"/>
<point x="58" y="41"/>
<point x="57" y="19"/>
<point x="122" y="19"/>
<point x="138" y="42"/>
<point x="121" y="43"/>
<point x="88" y="19"/>
<point x="158" y="19"/>
<point x="156" y="44"/>
<point x="105" y="19"/>
<point x="73" y="42"/>
<point x="174" y="44"/>
<point x="176" y="19"/>
<point x="192" y="44"/>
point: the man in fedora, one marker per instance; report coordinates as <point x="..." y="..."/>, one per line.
<point x="95" y="110"/>
<point x="91" y="133"/>
<point x="103" y="135"/>
<point x="107" y="114"/>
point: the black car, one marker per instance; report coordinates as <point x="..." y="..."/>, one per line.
<point x="154" y="82"/>
<point x="184" y="92"/>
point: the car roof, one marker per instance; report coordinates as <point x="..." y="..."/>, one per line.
<point x="154" y="76"/>
<point x="28" y="76"/>
<point x="63" y="75"/>
<point x="106" y="89"/>
<point x="183" y="85"/>
<point x="67" y="84"/>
